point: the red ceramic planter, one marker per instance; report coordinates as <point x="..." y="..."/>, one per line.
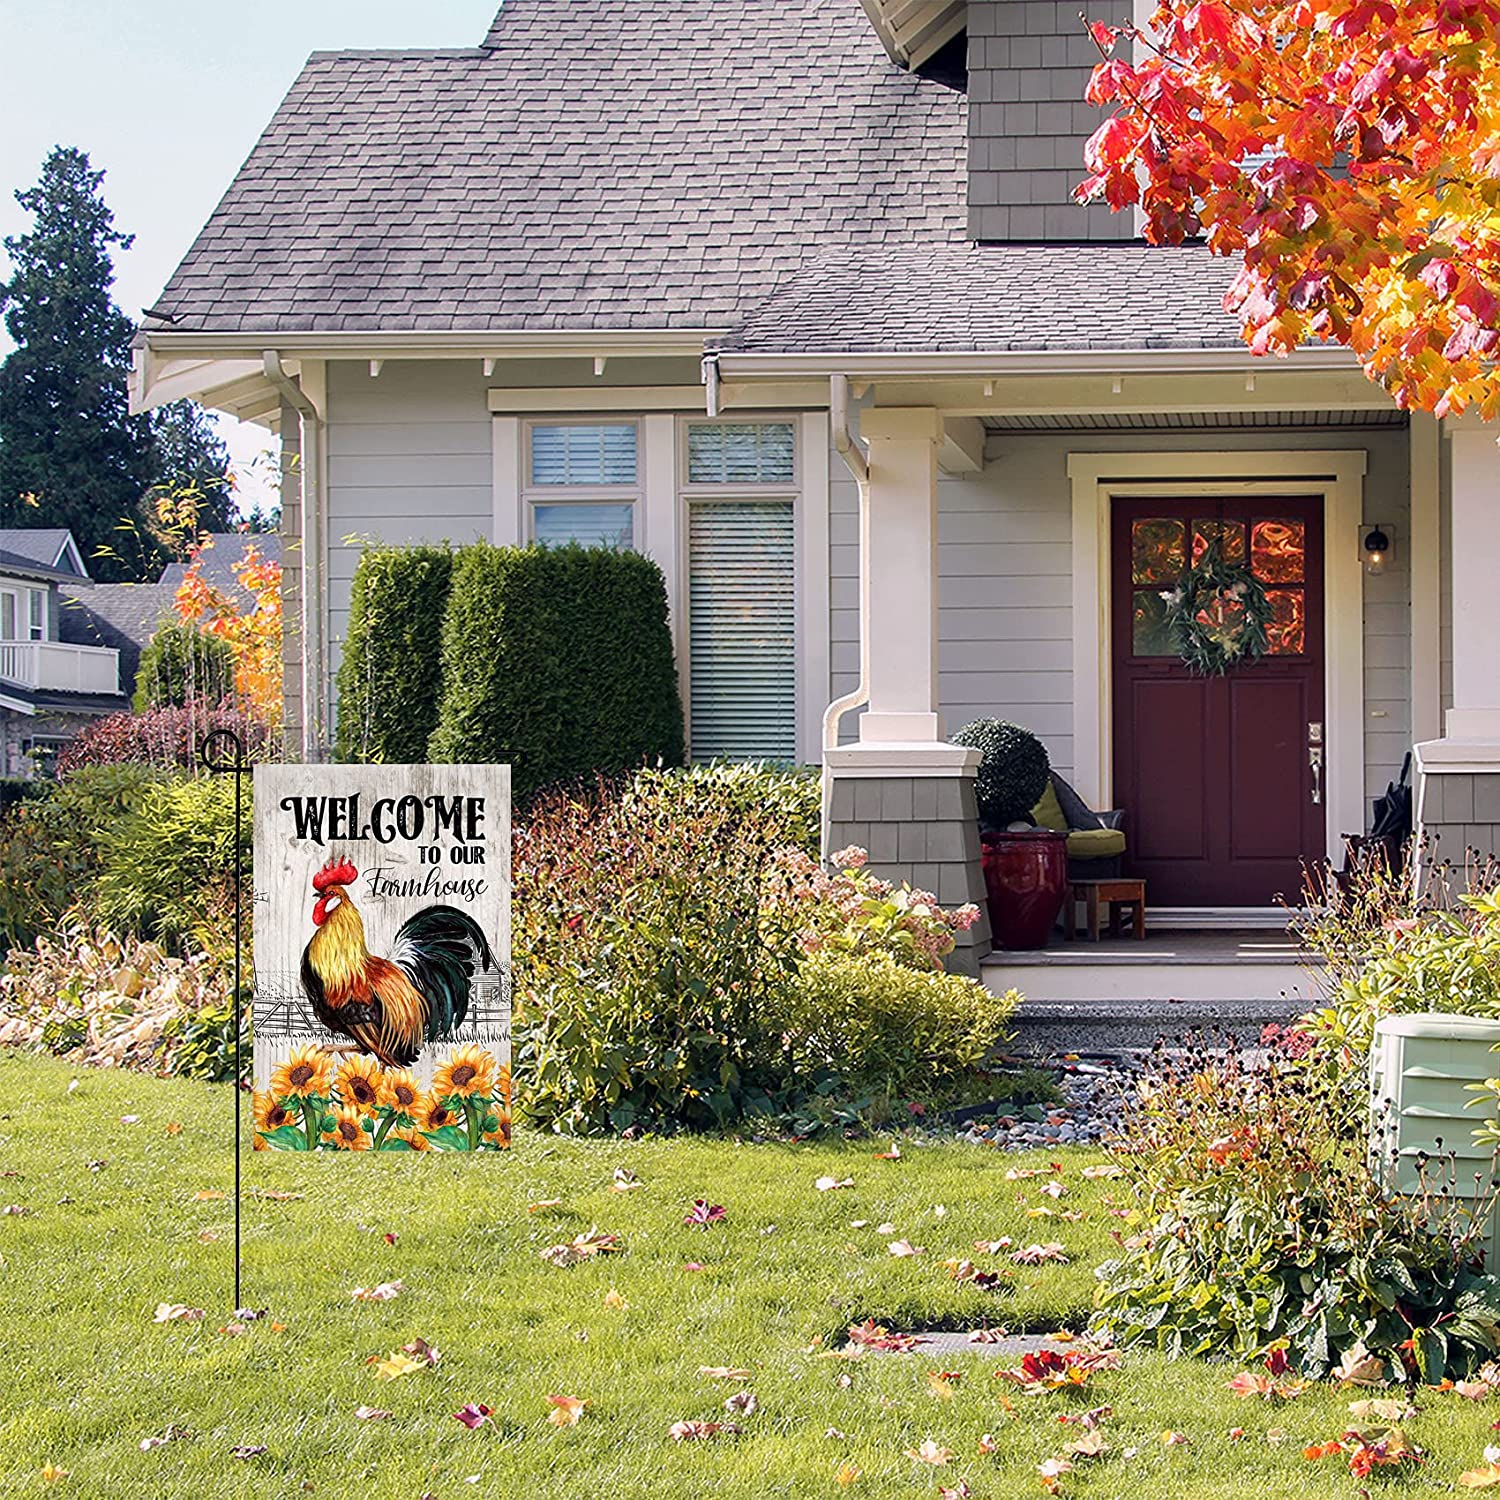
<point x="1026" y="878"/>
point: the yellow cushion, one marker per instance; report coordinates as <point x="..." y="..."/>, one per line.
<point x="1096" y="843"/>
<point x="1048" y="812"/>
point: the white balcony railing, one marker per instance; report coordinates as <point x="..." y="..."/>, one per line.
<point x="52" y="666"/>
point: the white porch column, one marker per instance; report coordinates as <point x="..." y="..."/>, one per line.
<point x="903" y="708"/>
<point x="1458" y="792"/>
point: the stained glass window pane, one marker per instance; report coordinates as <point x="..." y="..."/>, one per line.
<point x="1157" y="549"/>
<point x="1150" y="634"/>
<point x="1278" y="551"/>
<point x="1229" y="534"/>
<point x="1286" y="635"/>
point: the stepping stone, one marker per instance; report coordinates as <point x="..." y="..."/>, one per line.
<point x="1012" y="1346"/>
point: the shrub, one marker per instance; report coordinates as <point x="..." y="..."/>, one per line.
<point x="1012" y="774"/>
<point x="166" y="867"/>
<point x="391" y="675"/>
<point x="1263" y="1222"/>
<point x="789" y="801"/>
<point x="558" y="661"/>
<point x="51" y="852"/>
<point x="182" y="665"/>
<point x="108" y="1001"/>
<point x="165" y="738"/>
<point x="883" y="1028"/>
<point x="659" y="929"/>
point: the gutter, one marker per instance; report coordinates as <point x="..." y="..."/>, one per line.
<point x="854" y="459"/>
<point x="314" y="554"/>
<point x="376" y="343"/>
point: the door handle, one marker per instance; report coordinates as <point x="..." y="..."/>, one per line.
<point x="1315" y="761"/>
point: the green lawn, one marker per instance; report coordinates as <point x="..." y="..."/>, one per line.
<point x="86" y="1374"/>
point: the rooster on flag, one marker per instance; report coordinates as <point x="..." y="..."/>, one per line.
<point x="390" y="1008"/>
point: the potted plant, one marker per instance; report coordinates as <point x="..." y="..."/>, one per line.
<point x="1025" y="867"/>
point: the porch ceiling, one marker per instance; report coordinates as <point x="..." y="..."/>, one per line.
<point x="1163" y="421"/>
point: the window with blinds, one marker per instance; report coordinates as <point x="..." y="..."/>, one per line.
<point x="583" y="455"/>
<point x="741" y="453"/>
<point x="742" y="629"/>
<point x="588" y="525"/>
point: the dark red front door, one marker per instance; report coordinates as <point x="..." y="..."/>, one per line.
<point x="1214" y="773"/>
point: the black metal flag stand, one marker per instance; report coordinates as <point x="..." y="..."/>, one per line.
<point x="222" y="753"/>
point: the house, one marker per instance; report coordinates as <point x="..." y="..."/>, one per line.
<point x="50" y="687"/>
<point x="796" y="299"/>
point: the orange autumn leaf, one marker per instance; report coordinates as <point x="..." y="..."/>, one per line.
<point x="1486" y="1478"/>
<point x="845" y="1475"/>
<point x="567" y="1411"/>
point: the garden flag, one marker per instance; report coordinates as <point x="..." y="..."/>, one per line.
<point x="382" y="950"/>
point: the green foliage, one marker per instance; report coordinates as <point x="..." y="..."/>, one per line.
<point x="558" y="660"/>
<point x="1263" y="1222"/>
<point x="659" y="932"/>
<point x="391" y="676"/>
<point x="885" y="1029"/>
<point x="167" y="866"/>
<point x="1013" y="773"/>
<point x="51" y="846"/>
<point x="191" y="464"/>
<point x="201" y="1044"/>
<point x="181" y="665"/>
<point x="67" y="437"/>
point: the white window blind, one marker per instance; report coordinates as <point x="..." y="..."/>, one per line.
<point x="574" y="454"/>
<point x="602" y="525"/>
<point x="742" y="629"/>
<point x="741" y="453"/>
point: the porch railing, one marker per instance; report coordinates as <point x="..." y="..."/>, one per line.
<point x="54" y="666"/>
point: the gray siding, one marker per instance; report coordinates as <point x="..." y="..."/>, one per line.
<point x="1029" y="63"/>
<point x="1005" y="578"/>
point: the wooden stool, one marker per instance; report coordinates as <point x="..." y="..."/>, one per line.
<point x="1111" y="893"/>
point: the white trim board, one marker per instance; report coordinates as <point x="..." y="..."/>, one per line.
<point x="1336" y="477"/>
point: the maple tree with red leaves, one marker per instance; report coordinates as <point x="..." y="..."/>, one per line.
<point x="1346" y="151"/>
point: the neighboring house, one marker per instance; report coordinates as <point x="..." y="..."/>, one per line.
<point x="50" y="687"/>
<point x="794" y="298"/>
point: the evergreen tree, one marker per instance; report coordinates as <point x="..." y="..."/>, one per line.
<point x="70" y="452"/>
<point x="191" y="468"/>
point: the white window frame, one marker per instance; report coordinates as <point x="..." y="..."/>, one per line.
<point x="533" y="495"/>
<point x="18" y="614"/>
<point x="36" y="603"/>
<point x="803" y="453"/>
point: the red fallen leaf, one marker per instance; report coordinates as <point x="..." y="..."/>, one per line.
<point x="1276" y="1361"/>
<point x="474" y="1414"/>
<point x="1046" y="1370"/>
<point x="703" y="1213"/>
<point x="871" y="1335"/>
<point x="389" y="1238"/>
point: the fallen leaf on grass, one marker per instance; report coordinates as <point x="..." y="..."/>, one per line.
<point x="1480" y="1479"/>
<point x="967" y="1271"/>
<point x="1020" y="1174"/>
<point x="942" y="1383"/>
<point x="987" y="1335"/>
<point x="987" y="1443"/>
<point x="741" y="1404"/>
<point x="1047" y="1370"/>
<point x="612" y="1299"/>
<point x="894" y="1154"/>
<point x="208" y="1236"/>
<point x="930" y="1452"/>
<point x="697" y="1432"/>
<point x="1473" y="1390"/>
<point x="693" y="1265"/>
<point x="830" y="1184"/>
<point x="371" y="1413"/>
<point x="625" y="1181"/>
<point x="409" y="1358"/>
<point x="1088" y="1420"/>
<point x="1104" y="1169"/>
<point x="1252" y="1383"/>
<point x="871" y="1335"/>
<point x="174" y="1128"/>
<point x="473" y="1414"/>
<point x="1175" y="1439"/>
<point x="130" y="1119"/>
<point x="386" y="1291"/>
<point x="1091" y="1445"/>
<point x="170" y="1434"/>
<point x="582" y="1247"/>
<point x="959" y="1491"/>
<point x="176" y="1312"/>
<point x="567" y="1411"/>
<point x="275" y="1195"/>
<point x="208" y="1195"/>
<point x="885" y="1229"/>
<point x="905" y="1248"/>
<point x="1036" y="1255"/>
<point x="390" y="1237"/>
<point x="248" y="1450"/>
<point x="1054" y="1189"/>
<point x="1360" y="1367"/>
<point x="50" y="1473"/>
<point x="994" y="1247"/>
<point x="722" y="1372"/>
<point x="543" y="1204"/>
<point x="703" y="1213"/>
<point x="16" y="1211"/>
<point x="1382" y="1409"/>
<point x="1052" y="1471"/>
<point x="845" y="1475"/>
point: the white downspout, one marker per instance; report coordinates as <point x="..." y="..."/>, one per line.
<point x="854" y="459"/>
<point x="314" y="658"/>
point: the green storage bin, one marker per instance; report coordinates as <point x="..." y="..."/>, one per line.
<point x="1420" y="1103"/>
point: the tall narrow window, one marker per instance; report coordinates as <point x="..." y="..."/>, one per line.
<point x="8" y="617"/>
<point x="582" y="483"/>
<point x="37" y="618"/>
<point x="742" y="606"/>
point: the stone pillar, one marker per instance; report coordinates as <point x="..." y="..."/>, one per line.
<point x="1458" y="781"/>
<point x="902" y="792"/>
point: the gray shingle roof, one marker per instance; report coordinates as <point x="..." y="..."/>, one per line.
<point x="38" y="546"/>
<point x="656" y="163"/>
<point x="939" y="298"/>
<point x="218" y="557"/>
<point x="123" y="616"/>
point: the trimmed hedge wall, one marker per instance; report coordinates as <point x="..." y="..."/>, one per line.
<point x="390" y="680"/>
<point x="558" y="660"/>
<point x="180" y="663"/>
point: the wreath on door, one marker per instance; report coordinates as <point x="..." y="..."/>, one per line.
<point x="1218" y="614"/>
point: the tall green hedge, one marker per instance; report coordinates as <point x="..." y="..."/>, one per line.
<point x="558" y="660"/>
<point x="390" y="678"/>
<point x="181" y="662"/>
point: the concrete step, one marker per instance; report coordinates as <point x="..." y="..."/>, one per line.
<point x="1112" y="1028"/>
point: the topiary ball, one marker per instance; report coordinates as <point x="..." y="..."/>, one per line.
<point x="1013" y="773"/>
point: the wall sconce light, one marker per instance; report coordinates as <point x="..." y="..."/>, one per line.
<point x="1375" y="549"/>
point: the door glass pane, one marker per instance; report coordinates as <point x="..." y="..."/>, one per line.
<point x="740" y="453"/>
<point x="1157" y="549"/>
<point x="1286" y="635"/>
<point x="588" y="525"/>
<point x="1150" y="634"/>
<point x="1229" y="534"/>
<point x="572" y="454"/>
<point x="1278" y="551"/>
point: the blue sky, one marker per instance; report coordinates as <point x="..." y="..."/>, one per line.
<point x="169" y="96"/>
